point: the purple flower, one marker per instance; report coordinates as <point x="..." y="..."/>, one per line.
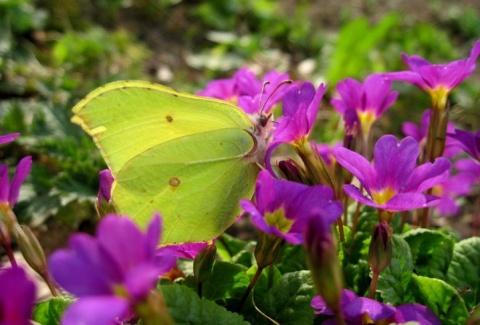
<point x="187" y="251"/>
<point x="393" y="183"/>
<point x="9" y="192"/>
<point x="110" y="273"/>
<point x="417" y="313"/>
<point x="282" y="208"/>
<point x="361" y="310"/>
<point x="17" y="297"/>
<point x="448" y="192"/>
<point x="436" y="79"/>
<point x="245" y="83"/>
<point x="470" y="167"/>
<point x="326" y="152"/>
<point x="105" y="179"/>
<point x="8" y="137"/>
<point x="300" y="108"/>
<point x="469" y="142"/>
<point x="420" y="133"/>
<point x="369" y="100"/>
<point x="355" y="309"/>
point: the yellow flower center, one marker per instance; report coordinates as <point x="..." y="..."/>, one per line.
<point x="382" y="196"/>
<point x="366" y="120"/>
<point x="439" y="97"/>
<point x="120" y="291"/>
<point x="278" y="220"/>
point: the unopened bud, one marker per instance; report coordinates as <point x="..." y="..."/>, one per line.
<point x="267" y="249"/>
<point x="31" y="249"/>
<point x="292" y="171"/>
<point x="203" y="262"/>
<point x="103" y="204"/>
<point x="380" y="250"/>
<point x="321" y="246"/>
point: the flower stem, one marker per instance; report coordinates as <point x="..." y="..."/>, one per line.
<point x="252" y="284"/>
<point x="373" y="284"/>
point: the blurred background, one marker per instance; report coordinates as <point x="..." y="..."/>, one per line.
<point x="52" y="53"/>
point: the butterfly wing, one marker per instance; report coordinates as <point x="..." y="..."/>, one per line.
<point x="179" y="154"/>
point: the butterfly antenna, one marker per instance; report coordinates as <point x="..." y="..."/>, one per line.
<point x="284" y="82"/>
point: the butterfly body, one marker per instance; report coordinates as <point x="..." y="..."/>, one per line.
<point x="191" y="158"/>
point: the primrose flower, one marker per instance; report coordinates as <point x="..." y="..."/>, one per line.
<point x="470" y="142"/>
<point x="300" y="109"/>
<point x="17" y="297"/>
<point x="326" y="152"/>
<point x="8" y="137"/>
<point x="448" y="192"/>
<point x="438" y="80"/>
<point x="393" y="183"/>
<point x="361" y="310"/>
<point x="282" y="208"/>
<point x="111" y="273"/>
<point x="9" y="192"/>
<point x="369" y="100"/>
<point x="470" y="167"/>
<point x="420" y="133"/>
<point x="245" y="83"/>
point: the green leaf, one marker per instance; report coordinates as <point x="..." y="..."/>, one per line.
<point x="393" y="281"/>
<point x="442" y="299"/>
<point x="228" y="246"/>
<point x="50" y="312"/>
<point x="355" y="251"/>
<point x="464" y="270"/>
<point x="186" y="307"/>
<point x="286" y="302"/>
<point x="431" y="251"/>
<point x="227" y="283"/>
<point x="292" y="258"/>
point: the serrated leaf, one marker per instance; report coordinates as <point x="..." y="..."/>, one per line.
<point x="442" y="299"/>
<point x="286" y="302"/>
<point x="226" y="283"/>
<point x="464" y="270"/>
<point x="186" y="307"/>
<point x="292" y="258"/>
<point x="431" y="250"/>
<point x="50" y="312"/>
<point x="394" y="279"/>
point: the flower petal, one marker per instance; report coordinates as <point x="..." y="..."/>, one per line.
<point x="17" y="296"/>
<point x="82" y="269"/>
<point x="103" y="310"/>
<point x="428" y="175"/>
<point x="394" y="161"/>
<point x="416" y="313"/>
<point x="358" y="166"/>
<point x="23" y="169"/>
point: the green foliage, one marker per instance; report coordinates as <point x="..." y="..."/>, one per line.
<point x="50" y="312"/>
<point x="432" y="252"/>
<point x="464" y="270"/>
<point x="186" y="307"/>
<point x="440" y="297"/>
<point x="393" y="281"/>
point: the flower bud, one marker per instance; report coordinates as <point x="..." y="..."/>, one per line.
<point x="103" y="204"/>
<point x="267" y="249"/>
<point x="380" y="250"/>
<point x="292" y="171"/>
<point x="31" y="249"/>
<point x="203" y="262"/>
<point x="321" y="246"/>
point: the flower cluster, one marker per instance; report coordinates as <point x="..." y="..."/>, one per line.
<point x="301" y="204"/>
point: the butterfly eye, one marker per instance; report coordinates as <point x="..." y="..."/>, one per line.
<point x="263" y="120"/>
